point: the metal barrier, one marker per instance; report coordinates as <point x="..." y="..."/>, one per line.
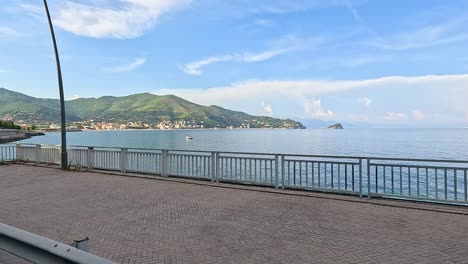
<point x="38" y="249"/>
<point x="438" y="180"/>
<point x="48" y="154"/>
<point x="442" y="181"/>
<point x="7" y="153"/>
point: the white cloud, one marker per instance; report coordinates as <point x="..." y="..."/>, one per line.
<point x="74" y="97"/>
<point x="418" y="115"/>
<point x="127" y="19"/>
<point x="366" y="101"/>
<point x="196" y="67"/>
<point x="309" y="88"/>
<point x="363" y="60"/>
<point x="428" y="36"/>
<point x="127" y="67"/>
<point x="396" y="116"/>
<point x="297" y="94"/>
<point x="263" y="22"/>
<point x="267" y="109"/>
<point x="287" y="6"/>
<point x="313" y="108"/>
<point x="33" y="9"/>
<point x="4" y="30"/>
<point x="266" y="55"/>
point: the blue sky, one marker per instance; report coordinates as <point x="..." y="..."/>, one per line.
<point x="386" y="63"/>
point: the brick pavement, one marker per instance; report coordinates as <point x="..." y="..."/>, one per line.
<point x="132" y="220"/>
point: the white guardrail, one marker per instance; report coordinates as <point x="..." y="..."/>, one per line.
<point x="41" y="250"/>
<point x="443" y="181"/>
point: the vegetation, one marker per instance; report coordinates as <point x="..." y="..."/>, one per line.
<point x="336" y="126"/>
<point x="148" y="108"/>
<point x="8" y="125"/>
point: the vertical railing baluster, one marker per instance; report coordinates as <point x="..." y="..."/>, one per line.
<point x="319" y="173"/>
<point x="213" y="166"/>
<point x="417" y="181"/>
<point x="376" y="179"/>
<point x="409" y="181"/>
<point x="276" y="171"/>
<point x="326" y="174"/>
<point x="260" y="171"/>
<point x="368" y="179"/>
<point x="346" y="177"/>
<point x="455" y="184"/>
<point x="427" y="182"/>
<point x="360" y="178"/>
<point x="300" y="173"/>
<point x="393" y="179"/>
<point x="307" y="173"/>
<point x="282" y="171"/>
<point x="352" y="177"/>
<point x="401" y="181"/>
<point x="332" y="165"/>
<point x="219" y="172"/>
<point x="250" y="170"/>
<point x="271" y="172"/>
<point x="466" y="185"/>
<point x="223" y="168"/>
<point x="294" y="173"/>
<point x="235" y="169"/>
<point x="445" y="184"/>
<point x="313" y="174"/>
<point x="385" y="179"/>
<point x="436" y="184"/>
<point x="230" y="165"/>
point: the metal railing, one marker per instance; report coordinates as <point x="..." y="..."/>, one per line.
<point x="7" y="153"/>
<point x="439" y="180"/>
<point x="442" y="181"/>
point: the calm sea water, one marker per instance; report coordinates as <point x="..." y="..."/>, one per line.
<point x="403" y="143"/>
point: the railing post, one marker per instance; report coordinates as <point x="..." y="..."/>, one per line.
<point x="38" y="153"/>
<point x="368" y="180"/>
<point x="89" y="157"/>
<point x="218" y="168"/>
<point x="282" y="172"/>
<point x="360" y="177"/>
<point x="213" y="166"/>
<point x="18" y="151"/>
<point x="276" y="171"/>
<point x="164" y="163"/>
<point x="123" y="160"/>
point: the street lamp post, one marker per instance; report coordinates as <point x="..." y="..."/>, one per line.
<point x="64" y="156"/>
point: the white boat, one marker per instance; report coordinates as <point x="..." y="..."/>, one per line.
<point x="188" y="138"/>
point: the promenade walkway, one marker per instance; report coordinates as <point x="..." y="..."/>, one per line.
<point x="135" y="220"/>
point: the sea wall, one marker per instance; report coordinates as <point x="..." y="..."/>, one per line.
<point x="11" y="135"/>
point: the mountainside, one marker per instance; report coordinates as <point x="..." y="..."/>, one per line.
<point x="146" y="108"/>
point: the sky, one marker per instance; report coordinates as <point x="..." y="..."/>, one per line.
<point x="385" y="63"/>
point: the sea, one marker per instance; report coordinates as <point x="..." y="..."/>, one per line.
<point x="396" y="143"/>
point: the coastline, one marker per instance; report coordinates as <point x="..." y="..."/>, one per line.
<point x="8" y="136"/>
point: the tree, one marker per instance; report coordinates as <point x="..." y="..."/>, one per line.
<point x="9" y="125"/>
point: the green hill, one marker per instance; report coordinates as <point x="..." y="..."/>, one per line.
<point x="147" y="108"/>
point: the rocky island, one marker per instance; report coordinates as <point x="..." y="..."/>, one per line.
<point x="336" y="126"/>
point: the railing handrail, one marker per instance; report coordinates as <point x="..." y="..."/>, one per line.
<point x="33" y="145"/>
<point x="224" y="152"/>
<point x="15" y="241"/>
<point x="285" y="154"/>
